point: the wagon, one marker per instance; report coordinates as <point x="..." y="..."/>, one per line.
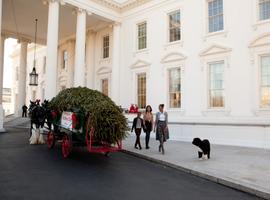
<point x="73" y="128"/>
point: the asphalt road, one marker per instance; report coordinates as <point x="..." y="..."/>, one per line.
<point x="35" y="173"/>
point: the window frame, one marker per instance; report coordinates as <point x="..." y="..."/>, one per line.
<point x="137" y="88"/>
<point x="260" y="80"/>
<point x="168" y="87"/>
<point x="137" y="35"/>
<point x="108" y="47"/>
<point x="169" y="29"/>
<point x="208" y="17"/>
<point x="209" y="84"/>
<point x="259" y="12"/>
<point x="101" y="85"/>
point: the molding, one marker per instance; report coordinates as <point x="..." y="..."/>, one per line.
<point x="173" y="57"/>
<point x="262" y="40"/>
<point x="139" y="64"/>
<point x="121" y="7"/>
<point x="215" y="49"/>
<point x="104" y="70"/>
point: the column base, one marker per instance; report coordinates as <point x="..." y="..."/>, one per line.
<point x="2" y="130"/>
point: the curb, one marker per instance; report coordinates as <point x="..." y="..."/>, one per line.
<point x="220" y="181"/>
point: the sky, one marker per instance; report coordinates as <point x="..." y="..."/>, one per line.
<point x="9" y="48"/>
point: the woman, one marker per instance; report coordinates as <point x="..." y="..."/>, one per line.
<point x="148" y="124"/>
<point x="161" y="127"/>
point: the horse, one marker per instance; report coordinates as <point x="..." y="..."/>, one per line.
<point x="37" y="116"/>
<point x="48" y="114"/>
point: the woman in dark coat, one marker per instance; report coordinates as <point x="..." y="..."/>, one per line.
<point x="161" y="127"/>
<point x="148" y="124"/>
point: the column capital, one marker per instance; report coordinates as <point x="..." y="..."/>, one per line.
<point x="114" y="24"/>
<point x="78" y="11"/>
<point x="90" y="32"/>
<point x="46" y="2"/>
<point x="23" y="40"/>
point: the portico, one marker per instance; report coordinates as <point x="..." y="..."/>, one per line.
<point x="58" y="21"/>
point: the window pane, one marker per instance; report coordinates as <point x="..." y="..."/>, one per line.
<point x="174" y="26"/>
<point x="106" y="46"/>
<point x="142" y="31"/>
<point x="265" y="81"/>
<point x="216" y="84"/>
<point x="105" y="86"/>
<point x="175" y="88"/>
<point x="141" y="90"/>
<point x="215" y="15"/>
<point x="264" y="9"/>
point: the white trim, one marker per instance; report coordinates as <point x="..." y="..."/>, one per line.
<point x="139" y="64"/>
<point x="173" y="57"/>
<point x="219" y="49"/>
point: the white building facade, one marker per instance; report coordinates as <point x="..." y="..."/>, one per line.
<point x="208" y="61"/>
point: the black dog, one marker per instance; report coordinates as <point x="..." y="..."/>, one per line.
<point x="204" y="146"/>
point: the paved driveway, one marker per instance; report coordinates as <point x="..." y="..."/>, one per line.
<point x="34" y="172"/>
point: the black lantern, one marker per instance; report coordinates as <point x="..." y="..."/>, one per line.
<point x="33" y="76"/>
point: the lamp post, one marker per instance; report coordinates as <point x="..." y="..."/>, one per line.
<point x="33" y="76"/>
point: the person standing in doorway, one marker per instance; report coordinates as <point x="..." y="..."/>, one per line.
<point x="161" y="127"/>
<point x="148" y="124"/>
<point x="24" y="111"/>
<point x="137" y="125"/>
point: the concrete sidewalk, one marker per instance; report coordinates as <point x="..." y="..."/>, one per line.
<point x="246" y="169"/>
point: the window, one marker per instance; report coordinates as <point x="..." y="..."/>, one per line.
<point x="175" y="88"/>
<point x="141" y="90"/>
<point x="142" y="31"/>
<point x="215" y="15"/>
<point x="65" y="59"/>
<point x="105" y="86"/>
<point x="106" y="46"/>
<point x="44" y="64"/>
<point x="174" y="26"/>
<point x="265" y="81"/>
<point x="264" y="9"/>
<point x="216" y="84"/>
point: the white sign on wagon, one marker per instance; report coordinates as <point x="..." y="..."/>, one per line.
<point x="66" y="120"/>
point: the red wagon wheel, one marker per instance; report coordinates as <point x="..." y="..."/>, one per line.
<point x="66" y="146"/>
<point x="50" y="139"/>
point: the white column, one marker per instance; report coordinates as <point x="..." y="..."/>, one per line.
<point x="90" y="59"/>
<point x="2" y="49"/>
<point x="79" y="68"/>
<point x="22" y="77"/>
<point x="2" y="40"/>
<point x="52" y="44"/>
<point x="115" y="84"/>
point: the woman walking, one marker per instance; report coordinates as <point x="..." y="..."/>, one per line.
<point x="161" y="127"/>
<point x="148" y="124"/>
<point x="137" y="125"/>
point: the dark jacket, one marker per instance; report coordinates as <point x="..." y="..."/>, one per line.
<point x="135" y="122"/>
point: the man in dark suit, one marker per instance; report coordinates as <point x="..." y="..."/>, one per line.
<point x="24" y="111"/>
<point x="137" y="125"/>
